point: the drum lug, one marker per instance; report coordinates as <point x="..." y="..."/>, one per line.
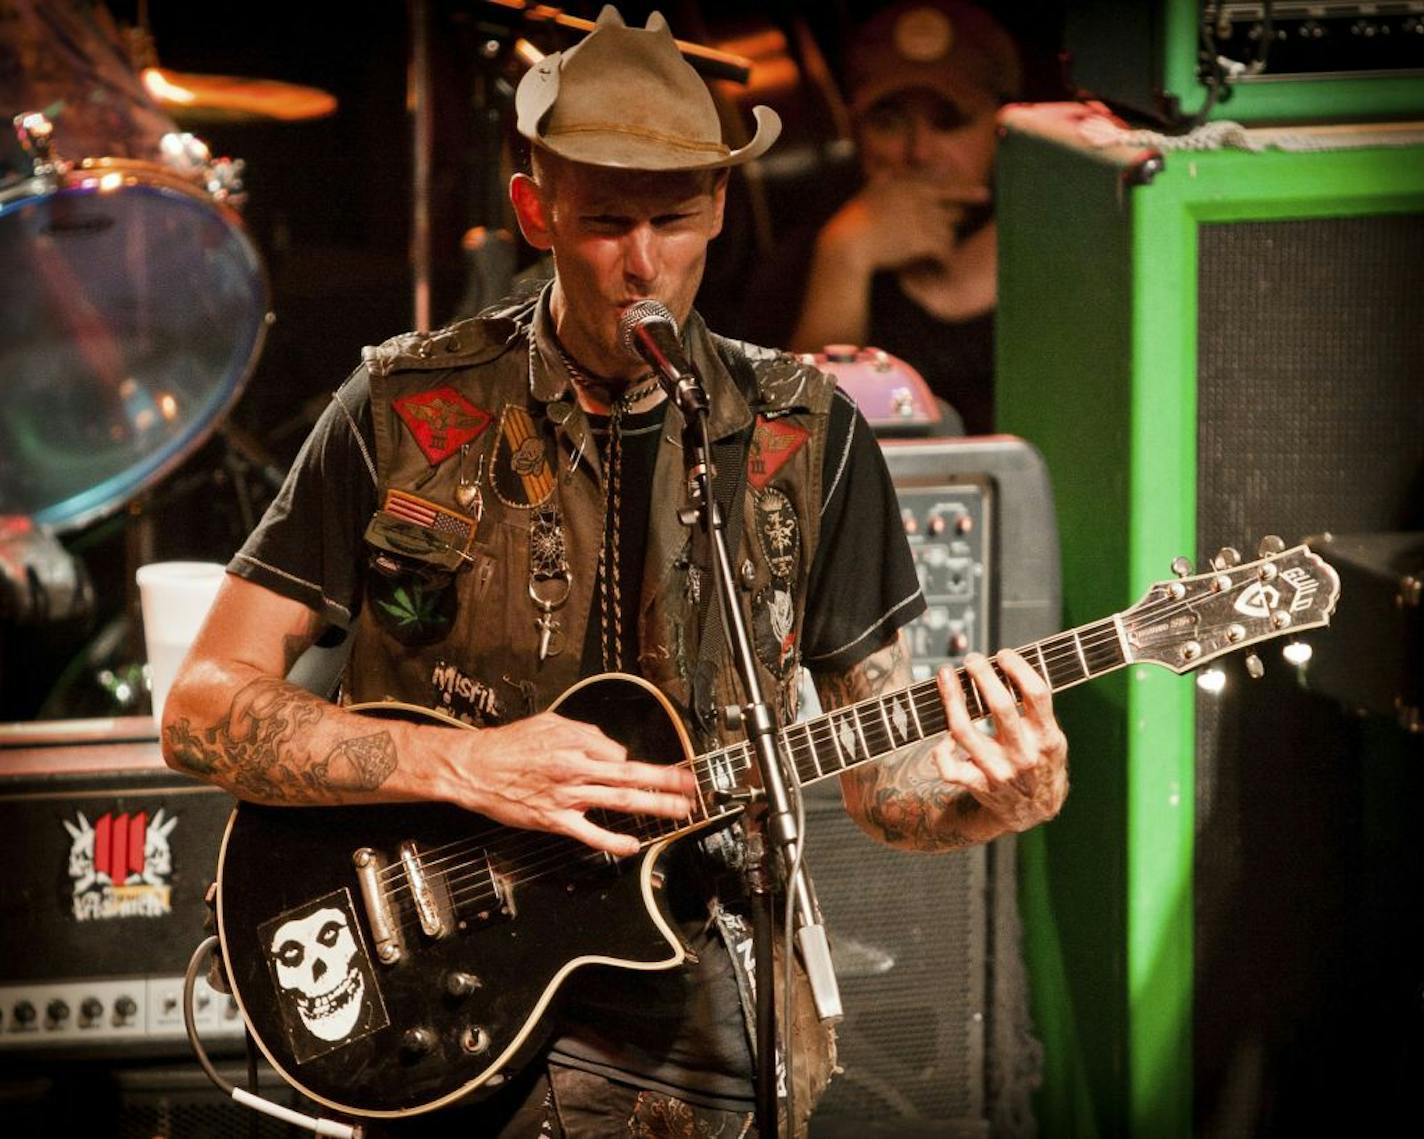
<point x="36" y="135"/>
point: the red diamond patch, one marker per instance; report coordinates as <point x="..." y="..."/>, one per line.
<point x="774" y="441"/>
<point x="441" y="421"/>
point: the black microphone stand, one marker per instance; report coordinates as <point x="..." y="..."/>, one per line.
<point x="770" y="809"/>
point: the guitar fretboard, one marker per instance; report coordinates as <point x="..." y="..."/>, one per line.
<point x="858" y="733"/>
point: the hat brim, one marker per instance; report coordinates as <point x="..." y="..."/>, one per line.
<point x="969" y="97"/>
<point x="629" y="149"/>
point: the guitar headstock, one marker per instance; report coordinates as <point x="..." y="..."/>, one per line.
<point x="1198" y="617"/>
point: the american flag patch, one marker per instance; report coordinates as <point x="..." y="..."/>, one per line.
<point x="457" y="530"/>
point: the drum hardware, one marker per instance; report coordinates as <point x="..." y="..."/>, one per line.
<point x="205" y="99"/>
<point x="195" y="99"/>
<point x="133" y="308"/>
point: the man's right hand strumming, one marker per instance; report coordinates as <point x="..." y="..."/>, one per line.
<point x="232" y="720"/>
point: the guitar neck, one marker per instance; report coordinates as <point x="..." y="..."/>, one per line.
<point x="838" y="741"/>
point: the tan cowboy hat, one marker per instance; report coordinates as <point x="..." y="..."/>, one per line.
<point x="625" y="97"/>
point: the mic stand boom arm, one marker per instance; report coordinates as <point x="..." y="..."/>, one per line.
<point x="684" y="387"/>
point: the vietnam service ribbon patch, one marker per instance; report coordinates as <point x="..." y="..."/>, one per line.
<point x="520" y="471"/>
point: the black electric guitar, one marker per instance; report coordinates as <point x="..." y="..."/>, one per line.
<point x="392" y="959"/>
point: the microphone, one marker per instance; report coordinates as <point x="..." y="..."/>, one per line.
<point x="648" y="330"/>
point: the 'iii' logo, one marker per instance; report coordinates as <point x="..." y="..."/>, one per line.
<point x="120" y="865"/>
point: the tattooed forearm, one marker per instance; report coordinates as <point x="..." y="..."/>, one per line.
<point x="901" y="800"/>
<point x="904" y="802"/>
<point x="260" y="749"/>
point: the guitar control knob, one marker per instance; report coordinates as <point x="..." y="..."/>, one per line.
<point x="57" y="1011"/>
<point x="461" y="984"/>
<point x="124" y="1009"/>
<point x="475" y="1040"/>
<point x="91" y="1008"/>
<point x="24" y="1013"/>
<point x="417" y="1042"/>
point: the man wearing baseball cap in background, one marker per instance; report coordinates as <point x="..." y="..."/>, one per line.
<point x="908" y="264"/>
<point x="494" y="511"/>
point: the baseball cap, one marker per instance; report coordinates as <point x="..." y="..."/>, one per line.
<point x="947" y="46"/>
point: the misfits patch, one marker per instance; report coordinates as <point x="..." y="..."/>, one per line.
<point x="322" y="978"/>
<point x="779" y="533"/>
<point x="773" y="443"/>
<point x="465" y="697"/>
<point x="774" y="627"/>
<point x="520" y="473"/>
<point x="441" y="421"/>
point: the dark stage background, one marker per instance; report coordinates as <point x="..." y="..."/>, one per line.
<point x="329" y="207"/>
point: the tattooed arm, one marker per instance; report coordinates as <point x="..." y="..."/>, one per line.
<point x="966" y="787"/>
<point x="231" y="719"/>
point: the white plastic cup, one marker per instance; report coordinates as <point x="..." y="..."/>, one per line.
<point x="176" y="597"/>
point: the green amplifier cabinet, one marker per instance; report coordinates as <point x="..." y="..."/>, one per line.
<point x="1206" y="347"/>
<point x="1329" y="61"/>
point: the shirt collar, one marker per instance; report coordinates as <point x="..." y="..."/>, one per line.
<point x="550" y="381"/>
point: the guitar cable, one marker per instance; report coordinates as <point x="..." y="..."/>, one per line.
<point x="246" y="1098"/>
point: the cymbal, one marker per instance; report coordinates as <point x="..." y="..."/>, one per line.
<point x="193" y="98"/>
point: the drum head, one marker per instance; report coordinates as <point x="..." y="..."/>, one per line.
<point x="133" y="310"/>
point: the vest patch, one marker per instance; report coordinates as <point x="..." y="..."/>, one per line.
<point x="441" y="421"/>
<point x="779" y="533"/>
<point x="465" y="697"/>
<point x="453" y="528"/>
<point x="774" y="628"/>
<point x="520" y="473"/>
<point x="773" y="443"/>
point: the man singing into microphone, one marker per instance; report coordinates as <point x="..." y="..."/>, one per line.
<point x="492" y="512"/>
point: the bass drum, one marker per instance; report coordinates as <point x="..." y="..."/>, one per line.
<point x="134" y="308"/>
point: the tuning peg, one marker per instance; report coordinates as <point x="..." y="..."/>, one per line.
<point x="1270" y="544"/>
<point x="1226" y="557"/>
<point x="1181" y="566"/>
<point x="1254" y="668"/>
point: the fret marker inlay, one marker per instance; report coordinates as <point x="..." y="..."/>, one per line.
<point x="901" y="720"/>
<point x="847" y="736"/>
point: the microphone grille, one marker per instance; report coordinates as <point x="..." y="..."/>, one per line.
<point x="637" y="314"/>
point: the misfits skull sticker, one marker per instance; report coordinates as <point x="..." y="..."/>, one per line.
<point x="326" y="989"/>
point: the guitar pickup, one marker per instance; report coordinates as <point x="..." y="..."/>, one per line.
<point x="428" y="893"/>
<point x="501" y="890"/>
<point x="385" y="928"/>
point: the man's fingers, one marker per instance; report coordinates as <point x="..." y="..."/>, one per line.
<point x="674" y="778"/>
<point x="638" y="801"/>
<point x="1034" y="692"/>
<point x="621" y="845"/>
<point x="954" y="768"/>
<point x="980" y="749"/>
